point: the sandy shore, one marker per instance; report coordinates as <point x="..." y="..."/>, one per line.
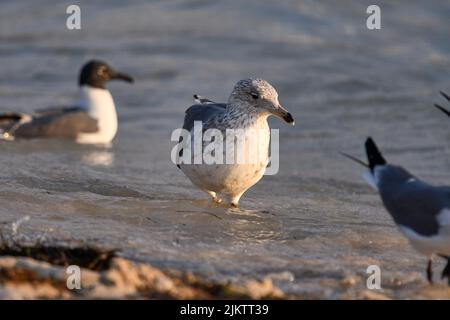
<point x="104" y="275"/>
<point x="27" y="278"/>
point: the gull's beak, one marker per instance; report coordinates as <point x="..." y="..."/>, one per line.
<point x="122" y="76"/>
<point x="282" y="113"/>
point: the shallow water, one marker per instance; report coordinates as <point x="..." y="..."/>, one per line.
<point x="309" y="227"/>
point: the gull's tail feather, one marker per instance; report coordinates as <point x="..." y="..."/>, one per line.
<point x="374" y="155"/>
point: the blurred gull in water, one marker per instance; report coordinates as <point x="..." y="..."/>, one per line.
<point x="93" y="120"/>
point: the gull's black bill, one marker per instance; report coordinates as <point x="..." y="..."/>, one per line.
<point x="122" y="76"/>
<point x="289" y="118"/>
<point x="374" y="155"/>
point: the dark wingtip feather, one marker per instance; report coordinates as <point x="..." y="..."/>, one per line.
<point x="442" y="109"/>
<point x="445" y="95"/>
<point x="374" y="155"/>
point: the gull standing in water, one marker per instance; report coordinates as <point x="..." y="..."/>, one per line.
<point x="251" y="102"/>
<point x="420" y="211"/>
<point x="92" y="121"/>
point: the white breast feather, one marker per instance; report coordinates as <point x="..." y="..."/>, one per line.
<point x="235" y="178"/>
<point x="100" y="106"/>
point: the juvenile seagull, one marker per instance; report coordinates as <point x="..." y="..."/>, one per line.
<point x="251" y="102"/>
<point x="92" y="120"/>
<point x="421" y="211"/>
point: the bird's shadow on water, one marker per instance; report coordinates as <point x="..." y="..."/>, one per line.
<point x="237" y="224"/>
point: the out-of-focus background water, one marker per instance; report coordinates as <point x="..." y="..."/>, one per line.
<point x="312" y="226"/>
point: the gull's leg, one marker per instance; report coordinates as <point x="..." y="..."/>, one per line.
<point x="214" y="196"/>
<point x="430" y="271"/>
<point x="235" y="199"/>
<point x="446" y="271"/>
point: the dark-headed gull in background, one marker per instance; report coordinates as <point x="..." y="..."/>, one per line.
<point x="92" y="120"/>
<point x="421" y="211"/>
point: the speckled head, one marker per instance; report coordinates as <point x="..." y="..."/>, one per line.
<point x="261" y="95"/>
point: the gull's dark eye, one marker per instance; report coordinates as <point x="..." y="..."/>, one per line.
<point x="254" y="95"/>
<point x="101" y="71"/>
